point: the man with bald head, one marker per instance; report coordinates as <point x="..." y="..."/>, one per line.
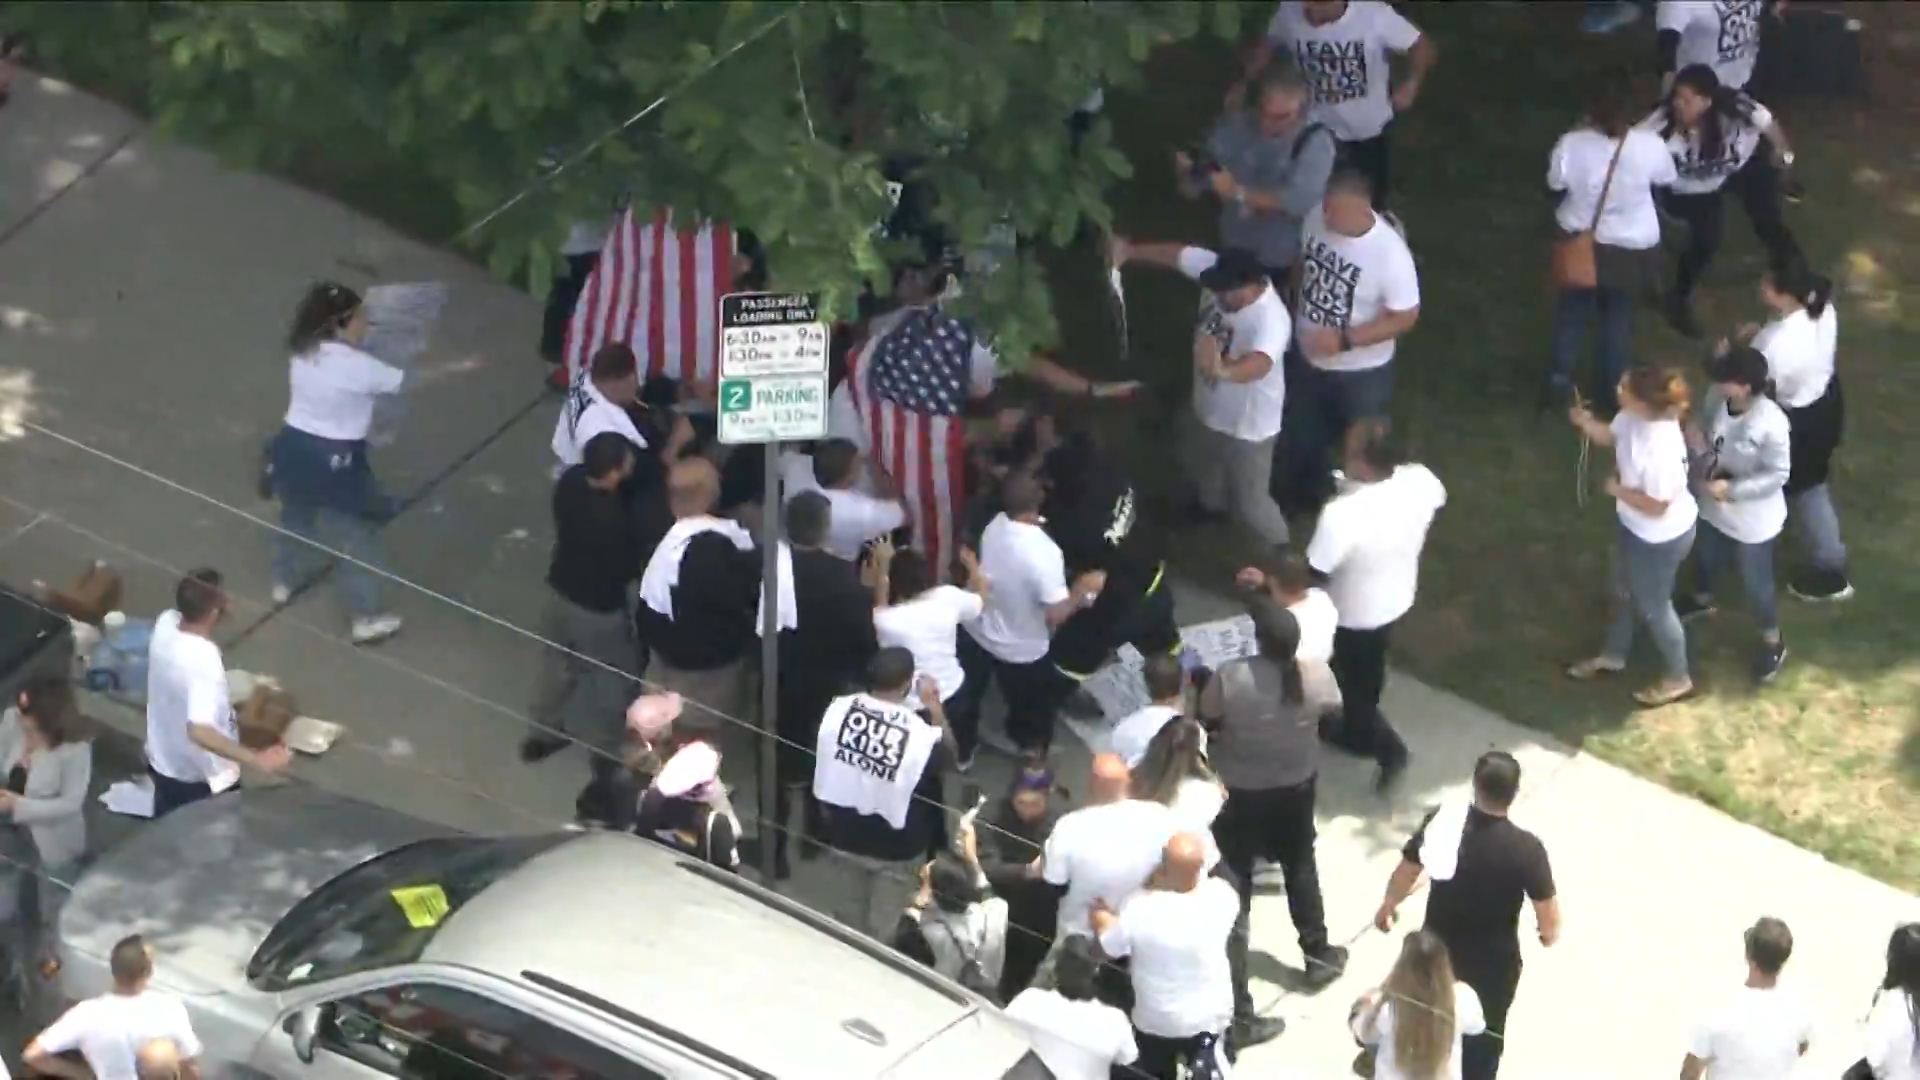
<point x="159" y="1060"/>
<point x="698" y="597"/>
<point x="1174" y="935"/>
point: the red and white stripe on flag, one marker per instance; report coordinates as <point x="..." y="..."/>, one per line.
<point x="657" y="289"/>
<point x="923" y="453"/>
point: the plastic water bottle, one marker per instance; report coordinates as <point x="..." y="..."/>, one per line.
<point x="103" y="666"/>
<point x="119" y="665"/>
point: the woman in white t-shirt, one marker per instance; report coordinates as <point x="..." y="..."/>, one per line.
<point x="1800" y="343"/>
<point x="318" y="462"/>
<point x="1176" y="774"/>
<point x="1414" y="1022"/>
<point x="1075" y="1034"/>
<point x="1653" y="498"/>
<point x="1740" y="447"/>
<point x="1893" y="1028"/>
<point x="1604" y="173"/>
<point x="924" y="617"/>
<point x="1721" y="141"/>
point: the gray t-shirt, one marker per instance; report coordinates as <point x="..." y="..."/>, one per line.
<point x="1295" y="167"/>
<point x="1262" y="741"/>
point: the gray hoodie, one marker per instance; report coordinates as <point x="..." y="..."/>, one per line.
<point x="1295" y="167"/>
<point x="1751" y="451"/>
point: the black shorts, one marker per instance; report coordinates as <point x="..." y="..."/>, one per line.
<point x="1137" y="612"/>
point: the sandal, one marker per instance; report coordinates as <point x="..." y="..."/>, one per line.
<point x="1662" y="694"/>
<point x="1595" y="667"/>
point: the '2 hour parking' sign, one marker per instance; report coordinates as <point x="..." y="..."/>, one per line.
<point x="773" y="368"/>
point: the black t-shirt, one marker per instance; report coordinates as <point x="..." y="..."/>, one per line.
<point x="694" y="828"/>
<point x="1095" y="514"/>
<point x="827" y="655"/>
<point x="596" y="556"/>
<point x="714" y="605"/>
<point x="1477" y="911"/>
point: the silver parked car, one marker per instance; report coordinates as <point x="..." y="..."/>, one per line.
<point x="314" y="937"/>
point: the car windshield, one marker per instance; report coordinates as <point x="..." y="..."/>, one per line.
<point x="386" y="910"/>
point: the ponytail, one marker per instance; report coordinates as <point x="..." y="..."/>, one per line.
<point x="325" y="311"/>
<point x="1793" y="277"/>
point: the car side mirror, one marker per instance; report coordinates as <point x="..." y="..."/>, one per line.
<point x="303" y="1028"/>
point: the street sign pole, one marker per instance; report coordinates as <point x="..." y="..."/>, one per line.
<point x="773" y="386"/>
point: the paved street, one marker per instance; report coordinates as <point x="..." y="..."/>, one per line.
<point x="143" y="299"/>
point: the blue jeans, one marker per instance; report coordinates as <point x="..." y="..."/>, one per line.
<point x="1715" y="553"/>
<point x="1573" y="317"/>
<point x="350" y="534"/>
<point x="1643" y="578"/>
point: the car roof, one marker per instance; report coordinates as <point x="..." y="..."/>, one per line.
<point x="626" y="925"/>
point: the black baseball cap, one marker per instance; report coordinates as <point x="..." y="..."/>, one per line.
<point x="1236" y="268"/>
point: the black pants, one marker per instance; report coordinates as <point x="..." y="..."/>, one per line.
<point x="170" y="794"/>
<point x="1757" y="186"/>
<point x="1360" y="667"/>
<point x="1137" y="612"/>
<point x="1494" y="975"/>
<point x="1370" y="158"/>
<point x="1033" y="693"/>
<point x="1174" y="1059"/>
<point x="1275" y="824"/>
<point x="561" y="299"/>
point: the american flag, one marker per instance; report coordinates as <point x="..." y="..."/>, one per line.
<point x="658" y="289"/>
<point x="909" y="384"/>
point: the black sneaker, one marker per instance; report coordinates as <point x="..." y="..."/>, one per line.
<point x="1388" y="777"/>
<point x="538" y="748"/>
<point x="1820" y="586"/>
<point x="1251" y="1031"/>
<point x="1325" y="966"/>
<point x="1690" y="607"/>
<point x="1679" y="312"/>
<point x="1772" y="656"/>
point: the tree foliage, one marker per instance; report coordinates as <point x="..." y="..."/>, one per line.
<point x="779" y="116"/>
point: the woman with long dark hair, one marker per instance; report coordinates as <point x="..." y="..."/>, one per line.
<point x="318" y="462"/>
<point x="1800" y="343"/>
<point x="47" y="764"/>
<point x="1415" y="1020"/>
<point x="1893" y="1030"/>
<point x="1721" y="141"/>
<point x="1016" y="834"/>
<point x="1602" y="175"/>
<point x="1740" y="447"/>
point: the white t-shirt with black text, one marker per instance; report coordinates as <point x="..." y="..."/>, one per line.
<point x="1177" y="945"/>
<point x="1650" y="456"/>
<point x="1722" y="34"/>
<point x="1104" y="852"/>
<point x="186" y="685"/>
<point x="1368" y="541"/>
<point x="927" y="626"/>
<point x="1696" y="171"/>
<point x="109" y="1031"/>
<point x="856" y="517"/>
<point x="1756" y="1036"/>
<point x="1468" y="1019"/>
<point x="1026" y="574"/>
<point x="1245" y="410"/>
<point x="1578" y="166"/>
<point x="1346" y="62"/>
<point x="331" y="391"/>
<point x="1346" y="281"/>
<point x="870" y="754"/>
<point x="1076" y="1040"/>
<point x="1800" y="355"/>
<point x="584" y="414"/>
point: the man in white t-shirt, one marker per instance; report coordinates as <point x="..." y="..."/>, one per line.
<point x="1359" y="293"/>
<point x="1722" y="34"/>
<point x="1028" y="596"/>
<point x="835" y="469"/>
<point x="1239" y="380"/>
<point x="110" y="1031"/>
<point x="1076" y="1035"/>
<point x="1763" y="1032"/>
<point x="193" y="740"/>
<point x="1174" y="936"/>
<point x="1106" y="850"/>
<point x="1288" y="582"/>
<point x="1344" y="49"/>
<point x="1366" y="546"/>
<point x="599" y="403"/>
<point x="1166" y="682"/>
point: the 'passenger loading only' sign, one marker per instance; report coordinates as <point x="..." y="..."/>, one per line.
<point x="773" y="368"/>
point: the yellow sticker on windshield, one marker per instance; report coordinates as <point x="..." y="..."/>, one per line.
<point x="424" y="905"/>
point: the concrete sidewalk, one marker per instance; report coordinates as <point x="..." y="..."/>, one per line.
<point x="143" y="296"/>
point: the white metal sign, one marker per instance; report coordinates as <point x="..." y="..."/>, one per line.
<point x="773" y="368"/>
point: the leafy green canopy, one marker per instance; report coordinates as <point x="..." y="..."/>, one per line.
<point x="787" y="136"/>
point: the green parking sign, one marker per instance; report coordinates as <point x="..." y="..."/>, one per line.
<point x="736" y="395"/>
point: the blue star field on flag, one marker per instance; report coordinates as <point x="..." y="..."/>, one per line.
<point x="923" y="365"/>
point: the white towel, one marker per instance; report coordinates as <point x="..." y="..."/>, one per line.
<point x="663" y="569"/>
<point x="1440" y="850"/>
<point x="788" y="617"/>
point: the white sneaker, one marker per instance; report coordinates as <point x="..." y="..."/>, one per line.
<point x="375" y="628"/>
<point x="281" y="594"/>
